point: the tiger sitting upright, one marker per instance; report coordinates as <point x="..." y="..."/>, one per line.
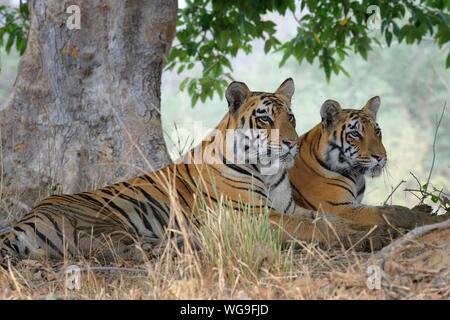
<point x="142" y="207"/>
<point x="334" y="158"/>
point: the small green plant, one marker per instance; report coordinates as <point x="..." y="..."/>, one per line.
<point x="429" y="192"/>
<point x="426" y="191"/>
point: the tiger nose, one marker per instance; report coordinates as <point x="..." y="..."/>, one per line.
<point x="290" y="143"/>
<point x="379" y="156"/>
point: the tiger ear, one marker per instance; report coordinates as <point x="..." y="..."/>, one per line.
<point x="330" y="112"/>
<point x="372" y="106"/>
<point x="287" y="88"/>
<point x="236" y="94"/>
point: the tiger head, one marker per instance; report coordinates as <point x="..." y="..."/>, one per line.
<point x="354" y="138"/>
<point x="265" y="126"/>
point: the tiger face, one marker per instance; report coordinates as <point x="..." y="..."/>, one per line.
<point x="265" y="126"/>
<point x="354" y="138"/>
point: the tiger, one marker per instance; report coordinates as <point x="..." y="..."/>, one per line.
<point x="247" y="167"/>
<point x="334" y="159"/>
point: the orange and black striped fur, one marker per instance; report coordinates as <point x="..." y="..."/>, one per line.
<point x="232" y="167"/>
<point x="335" y="157"/>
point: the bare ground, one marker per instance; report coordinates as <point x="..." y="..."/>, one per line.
<point x="420" y="269"/>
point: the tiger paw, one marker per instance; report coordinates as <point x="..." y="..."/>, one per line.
<point x="402" y="217"/>
<point x="423" y="208"/>
<point x="425" y="216"/>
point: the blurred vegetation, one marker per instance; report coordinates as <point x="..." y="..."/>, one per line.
<point x="210" y="32"/>
<point x="14" y="26"/>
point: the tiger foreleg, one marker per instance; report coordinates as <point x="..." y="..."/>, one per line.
<point x="386" y="223"/>
<point x="402" y="217"/>
<point x="327" y="230"/>
<point x="360" y="216"/>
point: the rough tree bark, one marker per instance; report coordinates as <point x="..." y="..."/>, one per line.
<point x="85" y="108"/>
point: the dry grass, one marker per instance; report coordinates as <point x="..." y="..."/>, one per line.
<point x="241" y="258"/>
<point x="234" y="257"/>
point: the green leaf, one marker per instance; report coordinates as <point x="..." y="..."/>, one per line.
<point x="341" y="68"/>
<point x="388" y="38"/>
<point x="192" y="87"/>
<point x="10" y="42"/>
<point x="267" y="46"/>
<point x="443" y="17"/>
<point x="447" y="63"/>
<point x="310" y="55"/>
<point x="194" y="99"/>
<point x="286" y="55"/>
<point x="181" y="68"/>
<point x="326" y="64"/>
<point x="363" y="52"/>
<point x="183" y="84"/>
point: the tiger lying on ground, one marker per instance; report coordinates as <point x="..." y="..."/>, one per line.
<point x="335" y="157"/>
<point x="141" y="208"/>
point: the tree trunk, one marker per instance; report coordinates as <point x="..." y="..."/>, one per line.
<point x="85" y="108"/>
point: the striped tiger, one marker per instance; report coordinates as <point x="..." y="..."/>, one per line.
<point x="334" y="158"/>
<point x="248" y="166"/>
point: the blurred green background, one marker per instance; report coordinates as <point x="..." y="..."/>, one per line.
<point x="411" y="80"/>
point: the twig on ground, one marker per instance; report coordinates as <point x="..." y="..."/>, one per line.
<point x="101" y="268"/>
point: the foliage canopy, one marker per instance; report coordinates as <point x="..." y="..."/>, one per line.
<point x="210" y="32"/>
